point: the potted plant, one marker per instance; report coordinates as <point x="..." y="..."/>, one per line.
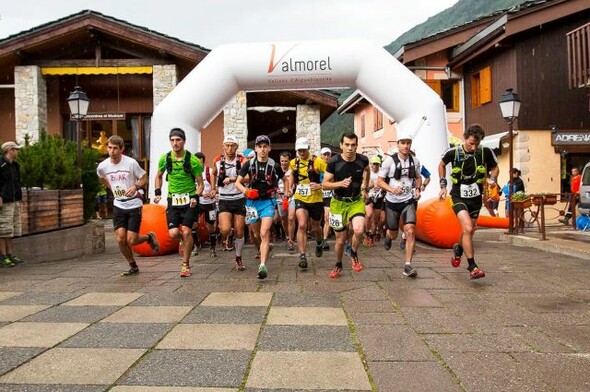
<point x="521" y="200"/>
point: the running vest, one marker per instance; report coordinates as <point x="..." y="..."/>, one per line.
<point x="397" y="174"/>
<point x="222" y="169"/>
<point x="266" y="179"/>
<point x="457" y="174"/>
<point x="186" y="164"/>
<point x="311" y="173"/>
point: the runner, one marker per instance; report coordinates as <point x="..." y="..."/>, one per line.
<point x="305" y="176"/>
<point x="374" y="204"/>
<point x="326" y="154"/>
<point x="470" y="164"/>
<point x="282" y="200"/>
<point x="425" y="181"/>
<point x="207" y="206"/>
<point x="348" y="175"/>
<point x="263" y="174"/>
<point x="232" y="205"/>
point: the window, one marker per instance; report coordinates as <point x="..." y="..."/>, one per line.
<point x="378" y="119"/>
<point x="481" y="87"/>
<point x="448" y="90"/>
<point x="362" y="125"/>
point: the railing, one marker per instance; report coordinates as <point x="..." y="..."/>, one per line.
<point x="578" y="56"/>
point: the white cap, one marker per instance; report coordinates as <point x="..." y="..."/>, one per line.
<point x="404" y="135"/>
<point x="229" y="139"/>
<point x="302" y="144"/>
<point x="325" y="150"/>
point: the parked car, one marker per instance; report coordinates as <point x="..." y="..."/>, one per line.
<point x="584" y="205"/>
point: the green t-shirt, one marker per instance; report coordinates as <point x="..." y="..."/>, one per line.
<point x="180" y="181"/>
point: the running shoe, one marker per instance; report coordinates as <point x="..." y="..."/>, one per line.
<point x="355" y="263"/>
<point x="131" y="271"/>
<point x="290" y="246"/>
<point x="326" y="245"/>
<point x="458" y="250"/>
<point x="262" y="271"/>
<point x="6" y="262"/>
<point x="185" y="270"/>
<point x="302" y="262"/>
<point x="335" y="273"/>
<point x="212" y="252"/>
<point x="153" y="242"/>
<point x="409" y="271"/>
<point x="476" y="273"/>
<point x="366" y="240"/>
<point x="387" y="243"/>
<point x="16" y="259"/>
<point x="402" y="243"/>
<point x="319" y="249"/>
<point x="370" y="243"/>
<point x="239" y="264"/>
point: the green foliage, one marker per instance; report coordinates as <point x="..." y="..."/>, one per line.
<point x="52" y="163"/>
<point x="520" y="196"/>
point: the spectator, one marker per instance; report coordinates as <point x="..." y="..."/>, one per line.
<point x="10" y="197"/>
<point x="575" y="182"/>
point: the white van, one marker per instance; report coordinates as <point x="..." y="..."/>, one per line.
<point x="584" y="205"/>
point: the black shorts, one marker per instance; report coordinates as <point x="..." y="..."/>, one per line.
<point x="376" y="202"/>
<point x="236" y="207"/>
<point x="472" y="206"/>
<point x="315" y="210"/>
<point x="129" y="220"/>
<point x="186" y="216"/>
<point x="209" y="211"/>
<point x="327" y="201"/>
<point x="393" y="211"/>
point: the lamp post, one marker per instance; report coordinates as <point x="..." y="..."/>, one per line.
<point x="510" y="106"/>
<point x="78" y="102"/>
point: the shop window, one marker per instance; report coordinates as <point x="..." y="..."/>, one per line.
<point x="481" y="87"/>
<point x="378" y="119"/>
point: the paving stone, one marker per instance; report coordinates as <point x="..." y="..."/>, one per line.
<point x="237" y="299"/>
<point x="27" y="334"/>
<point x="104" y="299"/>
<point x="484" y="342"/>
<point x="359" y="318"/>
<point x="412" y="376"/>
<point x="413" y="298"/>
<point x="17" y="312"/>
<point x="367" y="293"/>
<point x="494" y="372"/>
<point x="577" y="337"/>
<point x="4" y="295"/>
<point x="11" y="357"/>
<point x="369" y="306"/>
<point x="563" y="372"/>
<point x="40" y="298"/>
<point x="539" y="340"/>
<point x="306" y="299"/>
<point x="305" y="316"/>
<point x="74" y="366"/>
<point x="148" y="314"/>
<point x="203" y="368"/>
<point x="308" y="370"/>
<point x="111" y="335"/>
<point x="169" y="389"/>
<point x="305" y="338"/>
<point x="72" y="314"/>
<point x="401" y="344"/>
<point x="226" y="315"/>
<point x="211" y="337"/>
<point x="170" y="299"/>
<point x="50" y="388"/>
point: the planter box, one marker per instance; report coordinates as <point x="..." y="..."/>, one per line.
<point x="522" y="204"/>
<point x="47" y="210"/>
<point x="546" y="199"/>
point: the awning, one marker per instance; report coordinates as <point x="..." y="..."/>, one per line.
<point x="96" y="70"/>
<point x="495" y="141"/>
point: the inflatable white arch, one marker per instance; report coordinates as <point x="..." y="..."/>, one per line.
<point x="305" y="65"/>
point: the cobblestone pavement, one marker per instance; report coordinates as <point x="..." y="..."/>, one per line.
<point x="76" y="325"/>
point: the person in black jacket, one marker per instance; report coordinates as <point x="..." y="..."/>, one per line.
<point x="10" y="197"/>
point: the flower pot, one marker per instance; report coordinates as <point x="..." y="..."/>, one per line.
<point x="522" y="204"/>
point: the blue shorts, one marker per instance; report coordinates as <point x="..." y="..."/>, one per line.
<point x="264" y="209"/>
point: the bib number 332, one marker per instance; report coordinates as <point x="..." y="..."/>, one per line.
<point x="470" y="191"/>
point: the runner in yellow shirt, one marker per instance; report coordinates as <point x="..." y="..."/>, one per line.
<point x="305" y="176"/>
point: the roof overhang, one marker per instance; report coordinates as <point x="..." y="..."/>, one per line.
<point x="495" y="141"/>
<point x="349" y="103"/>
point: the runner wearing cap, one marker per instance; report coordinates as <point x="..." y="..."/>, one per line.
<point x="232" y="204"/>
<point x="374" y="203"/>
<point x="326" y="154"/>
<point x="183" y="172"/>
<point x="263" y="175"/>
<point x="305" y="177"/>
<point x="400" y="178"/>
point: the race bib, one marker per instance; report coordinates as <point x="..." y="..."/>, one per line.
<point x="251" y="215"/>
<point x="180" y="199"/>
<point x="335" y="221"/>
<point x="470" y="191"/>
<point x="212" y="215"/>
<point x="119" y="193"/>
<point x="304" y="190"/>
<point x="375" y="193"/>
<point x="326" y="194"/>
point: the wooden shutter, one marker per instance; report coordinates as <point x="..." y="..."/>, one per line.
<point x="435" y="85"/>
<point x="485" y="85"/>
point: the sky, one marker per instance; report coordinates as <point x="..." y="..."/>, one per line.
<point x="210" y="23"/>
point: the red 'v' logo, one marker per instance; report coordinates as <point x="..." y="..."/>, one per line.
<point x="272" y="64"/>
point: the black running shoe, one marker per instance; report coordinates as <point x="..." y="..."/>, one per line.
<point x="326" y="245"/>
<point x="302" y="262"/>
<point x="319" y="249"/>
<point x="131" y="271"/>
<point x="409" y="271"/>
<point x="387" y="243"/>
<point x="153" y="242"/>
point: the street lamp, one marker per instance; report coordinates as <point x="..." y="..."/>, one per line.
<point x="78" y="102"/>
<point x="510" y="106"/>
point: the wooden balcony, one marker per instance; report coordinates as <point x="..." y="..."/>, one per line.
<point x="578" y="56"/>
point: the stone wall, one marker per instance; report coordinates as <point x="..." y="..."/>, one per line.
<point x="165" y="78"/>
<point x="235" y="119"/>
<point x="308" y="125"/>
<point x="30" y="95"/>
